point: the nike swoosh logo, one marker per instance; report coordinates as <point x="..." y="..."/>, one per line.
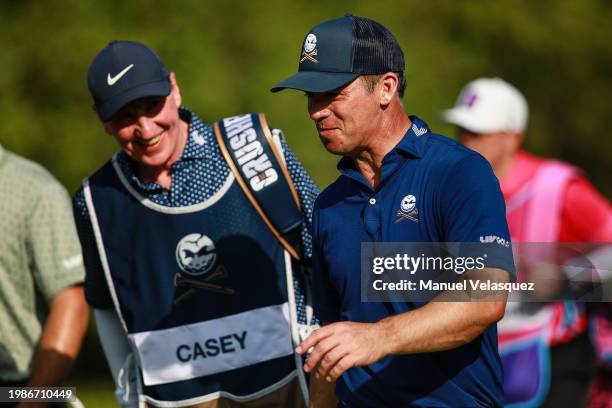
<point x="112" y="80"/>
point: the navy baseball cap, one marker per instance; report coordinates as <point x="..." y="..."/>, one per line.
<point x="336" y="52"/>
<point x="123" y="72"/>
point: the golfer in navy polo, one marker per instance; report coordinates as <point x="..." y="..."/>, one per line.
<point x="395" y="354"/>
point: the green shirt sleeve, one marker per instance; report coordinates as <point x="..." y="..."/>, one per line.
<point x="52" y="243"/>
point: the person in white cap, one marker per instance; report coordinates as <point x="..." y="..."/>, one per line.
<point x="492" y="115"/>
<point x="548" y="363"/>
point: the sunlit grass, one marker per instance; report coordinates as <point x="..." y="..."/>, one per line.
<point x="94" y="393"/>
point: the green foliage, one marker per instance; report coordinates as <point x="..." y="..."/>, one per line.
<point x="94" y="392"/>
<point x="227" y="54"/>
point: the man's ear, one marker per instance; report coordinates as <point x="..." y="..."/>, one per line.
<point x="175" y="90"/>
<point x="388" y="87"/>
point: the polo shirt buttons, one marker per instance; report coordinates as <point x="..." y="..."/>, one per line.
<point x="371" y="218"/>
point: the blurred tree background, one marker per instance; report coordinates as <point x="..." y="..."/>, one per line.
<point x="227" y="54"/>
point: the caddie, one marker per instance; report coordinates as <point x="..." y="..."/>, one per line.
<point x="195" y="241"/>
<point x="545" y="347"/>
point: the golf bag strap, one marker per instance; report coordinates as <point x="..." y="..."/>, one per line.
<point x="253" y="157"/>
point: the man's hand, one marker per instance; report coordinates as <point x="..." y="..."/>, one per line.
<point x="339" y="346"/>
<point x="439" y="325"/>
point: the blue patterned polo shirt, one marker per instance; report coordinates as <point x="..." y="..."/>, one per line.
<point x="196" y="176"/>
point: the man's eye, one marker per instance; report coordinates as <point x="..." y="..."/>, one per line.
<point x="153" y="106"/>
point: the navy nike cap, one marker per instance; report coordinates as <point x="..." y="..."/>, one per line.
<point x="123" y="72"/>
<point x="336" y="52"/>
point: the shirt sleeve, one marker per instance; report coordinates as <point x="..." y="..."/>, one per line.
<point x="96" y="288"/>
<point x="52" y="241"/>
<point x="586" y="215"/>
<point x="307" y="191"/>
<point x="473" y="211"/>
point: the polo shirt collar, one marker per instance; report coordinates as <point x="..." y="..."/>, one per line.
<point x="413" y="143"/>
<point x="415" y="139"/>
<point x="194" y="148"/>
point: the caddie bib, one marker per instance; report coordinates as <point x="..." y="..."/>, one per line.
<point x="525" y="334"/>
<point x="202" y="291"/>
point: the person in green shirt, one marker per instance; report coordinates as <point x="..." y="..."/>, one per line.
<point x="43" y="313"/>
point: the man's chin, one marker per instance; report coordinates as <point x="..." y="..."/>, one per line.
<point x="338" y="151"/>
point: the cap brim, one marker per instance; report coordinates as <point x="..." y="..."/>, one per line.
<point x="314" y="81"/>
<point x="108" y="109"/>
<point x="466" y="119"/>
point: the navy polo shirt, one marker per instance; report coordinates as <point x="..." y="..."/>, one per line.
<point x="458" y="199"/>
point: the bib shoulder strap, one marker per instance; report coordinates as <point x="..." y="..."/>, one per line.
<point x="549" y="185"/>
<point x="253" y="157"/>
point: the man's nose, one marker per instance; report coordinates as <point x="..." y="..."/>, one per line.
<point x="318" y="106"/>
<point x="145" y="126"/>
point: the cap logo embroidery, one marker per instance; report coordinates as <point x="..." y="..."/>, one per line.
<point x="470" y="99"/>
<point x="310" y="49"/>
<point x="113" y="80"/>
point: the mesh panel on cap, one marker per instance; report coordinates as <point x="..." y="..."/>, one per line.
<point x="375" y="49"/>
